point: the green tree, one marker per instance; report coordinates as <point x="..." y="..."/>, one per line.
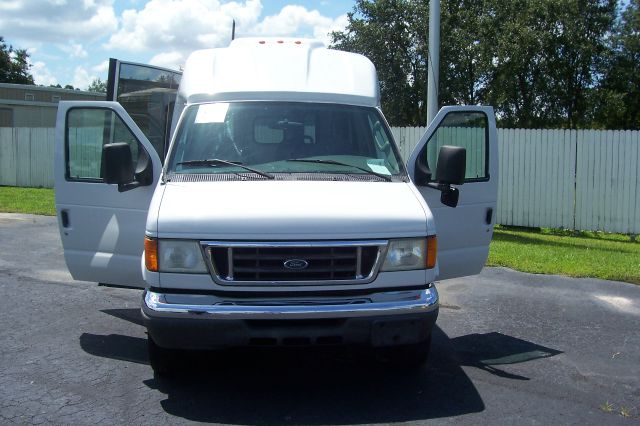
<point x="14" y="65"/>
<point x="517" y="82"/>
<point x="387" y="32"/>
<point x="394" y="35"/>
<point x="544" y="59"/>
<point x="617" y="100"/>
<point x="535" y="61"/>
<point x="97" y="85"/>
<point x="465" y="59"/>
<point x="588" y="26"/>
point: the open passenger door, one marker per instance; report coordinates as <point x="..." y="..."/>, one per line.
<point x="102" y="229"/>
<point x="465" y="231"/>
<point x="148" y="94"/>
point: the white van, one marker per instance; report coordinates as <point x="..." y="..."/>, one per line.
<point x="282" y="212"/>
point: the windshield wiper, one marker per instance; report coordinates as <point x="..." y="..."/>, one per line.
<point x="338" y="163"/>
<point x="213" y="162"/>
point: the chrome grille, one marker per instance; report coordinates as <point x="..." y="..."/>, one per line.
<point x="294" y="262"/>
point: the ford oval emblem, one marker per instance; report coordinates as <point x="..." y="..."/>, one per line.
<point x="296" y="264"/>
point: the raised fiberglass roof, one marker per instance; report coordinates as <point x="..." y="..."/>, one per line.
<point x="285" y="69"/>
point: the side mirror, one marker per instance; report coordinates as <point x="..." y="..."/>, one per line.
<point x="118" y="165"/>
<point x="449" y="196"/>
<point x="452" y="163"/>
<point x="451" y="168"/>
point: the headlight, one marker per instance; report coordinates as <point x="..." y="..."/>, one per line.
<point x="406" y="254"/>
<point x="180" y="256"/>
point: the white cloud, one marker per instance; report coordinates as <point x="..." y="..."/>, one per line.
<point x="75" y="50"/>
<point x="8" y="6"/>
<point x="41" y="74"/>
<point x="191" y="24"/>
<point x="289" y="21"/>
<point x="294" y="19"/>
<point x="173" y="60"/>
<point x="196" y="24"/>
<point x="101" y="68"/>
<point x="82" y="78"/>
<point x="41" y="51"/>
<point x="56" y="21"/>
<point x="166" y="30"/>
<point x="323" y="32"/>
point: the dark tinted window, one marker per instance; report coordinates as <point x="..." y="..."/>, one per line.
<point x="148" y="94"/>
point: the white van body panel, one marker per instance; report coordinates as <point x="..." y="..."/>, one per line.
<point x="287" y="71"/>
<point x="463" y="232"/>
<point x="290" y="210"/>
<point x="104" y="237"/>
<point x="103" y="241"/>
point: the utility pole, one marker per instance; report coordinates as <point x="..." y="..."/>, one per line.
<point x="433" y="66"/>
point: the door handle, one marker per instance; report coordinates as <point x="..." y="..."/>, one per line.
<point x="488" y="218"/>
<point x="64" y="217"/>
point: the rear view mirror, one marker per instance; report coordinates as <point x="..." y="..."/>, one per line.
<point x="118" y="164"/>
<point x="451" y="166"/>
<point x="450" y="170"/>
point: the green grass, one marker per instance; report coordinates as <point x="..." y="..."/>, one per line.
<point x="545" y="251"/>
<point x="576" y="254"/>
<point x="27" y="200"/>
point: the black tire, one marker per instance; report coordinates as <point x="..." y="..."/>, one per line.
<point x="407" y="356"/>
<point x="162" y="360"/>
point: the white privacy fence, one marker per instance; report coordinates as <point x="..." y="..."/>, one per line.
<point x="573" y="179"/>
<point x="26" y="156"/>
<point x="608" y="181"/>
<point x="537" y="178"/>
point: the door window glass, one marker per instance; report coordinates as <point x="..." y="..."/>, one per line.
<point x="88" y="129"/>
<point x="148" y="95"/>
<point x="467" y="130"/>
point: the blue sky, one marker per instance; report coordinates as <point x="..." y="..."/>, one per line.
<point x="70" y="41"/>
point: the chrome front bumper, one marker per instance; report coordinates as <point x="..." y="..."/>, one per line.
<point x="401" y="303"/>
<point x="191" y="321"/>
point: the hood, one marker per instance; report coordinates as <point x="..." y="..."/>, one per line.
<point x="290" y="210"/>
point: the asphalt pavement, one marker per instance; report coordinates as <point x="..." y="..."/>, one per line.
<point x="509" y="348"/>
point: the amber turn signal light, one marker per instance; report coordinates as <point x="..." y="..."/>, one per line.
<point x="151" y="254"/>
<point x="432" y="251"/>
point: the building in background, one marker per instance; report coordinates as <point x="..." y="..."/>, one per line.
<point x="24" y="105"/>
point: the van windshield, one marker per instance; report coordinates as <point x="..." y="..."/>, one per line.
<point x="273" y="137"/>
